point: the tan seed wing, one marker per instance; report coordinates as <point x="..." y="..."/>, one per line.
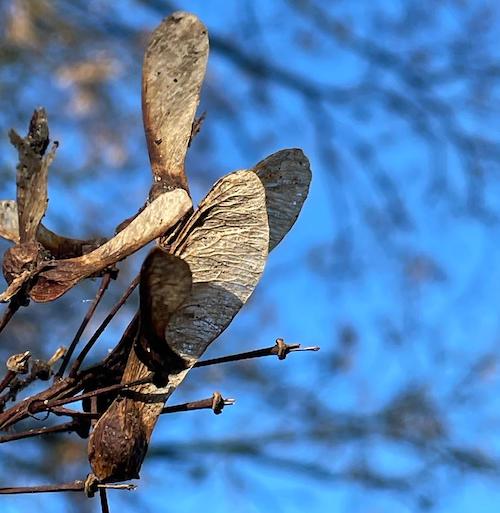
<point x="9" y="223"/>
<point x="160" y="215"/>
<point x="173" y="71"/>
<point x="165" y="284"/>
<point x="286" y="176"/>
<point x="225" y="245"/>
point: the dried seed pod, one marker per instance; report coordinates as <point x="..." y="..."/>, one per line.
<point x="165" y="284"/>
<point x="225" y="244"/>
<point x="172" y="74"/>
<point x="286" y="176"/>
<point x="160" y="215"/>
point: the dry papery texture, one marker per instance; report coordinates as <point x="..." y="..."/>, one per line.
<point x="172" y="74"/>
<point x="173" y="71"/>
<point x="159" y="216"/>
<point x="225" y="244"/>
<point x="165" y="283"/>
<point x="286" y="176"/>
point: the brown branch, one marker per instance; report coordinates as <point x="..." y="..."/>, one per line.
<point x="75" y="486"/>
<point x="39" y="406"/>
<point x="110" y="368"/>
<point x="9" y="312"/>
<point x="9" y="376"/>
<point x="280" y="349"/>
<point x="100" y="293"/>
<point x="215" y="403"/>
<point x="61" y="392"/>
<point x="61" y="388"/>
<point x="104" y="500"/>
<point x="30" y="433"/>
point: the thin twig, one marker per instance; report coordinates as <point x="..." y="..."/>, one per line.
<point x="60" y="410"/>
<point x="215" y="403"/>
<point x="280" y="350"/>
<point x="7" y="380"/>
<point x="60" y="428"/>
<point x="106" y="279"/>
<point x="11" y="309"/>
<point x="47" y="405"/>
<point x="104" y="500"/>
<point x="75" y="486"/>
<point x="88" y="346"/>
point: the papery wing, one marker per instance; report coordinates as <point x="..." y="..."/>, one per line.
<point x="32" y="174"/>
<point x="173" y="71"/>
<point x="165" y="284"/>
<point x="225" y="245"/>
<point x="286" y="176"/>
<point x="9" y="222"/>
<point x="159" y="216"/>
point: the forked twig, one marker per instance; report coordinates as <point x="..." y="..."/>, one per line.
<point x="215" y="403"/>
<point x="64" y="390"/>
